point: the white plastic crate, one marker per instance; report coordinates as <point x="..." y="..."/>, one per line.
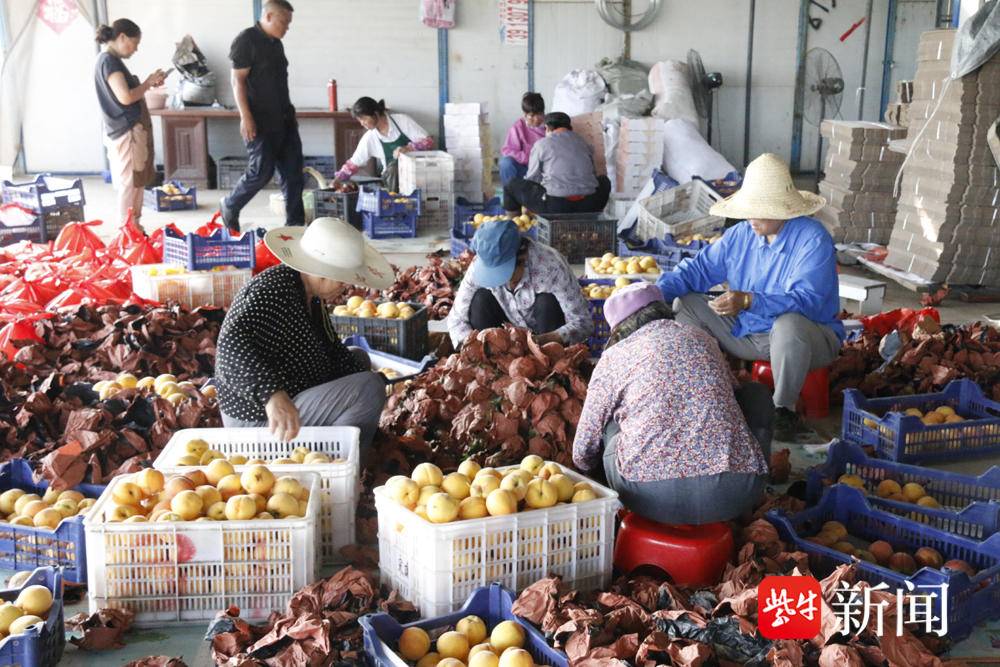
<point x="680" y="210"/>
<point x="338" y="488"/>
<point x="185" y="572"/>
<point x="437" y="566"/>
<point x="431" y="172"/>
<point x="191" y="289"/>
<point x="592" y="273"/>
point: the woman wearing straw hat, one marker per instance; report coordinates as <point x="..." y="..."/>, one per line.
<point x="661" y="415"/>
<point x="279" y="361"/>
<point x="783" y="297"/>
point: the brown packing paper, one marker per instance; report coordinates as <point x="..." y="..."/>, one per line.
<point x="157" y="661"/>
<point x="102" y="630"/>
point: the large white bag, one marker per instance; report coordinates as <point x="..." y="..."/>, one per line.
<point x="581" y="91"/>
<point x="686" y="154"/>
<point x="671" y="88"/>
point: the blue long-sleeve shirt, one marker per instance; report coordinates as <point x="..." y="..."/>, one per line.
<point x="797" y="273"/>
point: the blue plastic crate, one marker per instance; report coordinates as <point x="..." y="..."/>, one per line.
<point x="158" y="200"/>
<point x="400" y="226"/>
<point x="599" y="338"/>
<point x="461" y="241"/>
<point x="465" y="210"/>
<point x="204" y="253"/>
<point x="880" y="423"/>
<point x="407" y="368"/>
<point x="666" y="253"/>
<point x="43" y="643"/>
<point x="970" y="505"/>
<point x="27" y="547"/>
<point x="491" y="603"/>
<point x="970" y="600"/>
<point x="380" y="203"/>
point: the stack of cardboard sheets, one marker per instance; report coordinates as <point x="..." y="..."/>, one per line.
<point x="859" y="174"/>
<point x="948" y="216"/>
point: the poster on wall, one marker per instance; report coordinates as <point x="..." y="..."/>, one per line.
<point x="513" y="22"/>
<point x="57" y="14"/>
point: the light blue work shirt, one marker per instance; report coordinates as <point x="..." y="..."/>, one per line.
<point x="797" y="273"/>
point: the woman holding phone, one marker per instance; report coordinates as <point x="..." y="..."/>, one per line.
<point x="128" y="128"/>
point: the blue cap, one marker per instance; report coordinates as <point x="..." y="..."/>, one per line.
<point x="495" y="244"/>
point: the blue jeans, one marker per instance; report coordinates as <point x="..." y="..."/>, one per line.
<point x="511" y="169"/>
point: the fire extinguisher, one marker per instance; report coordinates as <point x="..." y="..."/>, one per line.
<point x="331" y="93"/>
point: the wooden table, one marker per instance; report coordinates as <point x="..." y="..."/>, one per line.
<point x="185" y="138"/>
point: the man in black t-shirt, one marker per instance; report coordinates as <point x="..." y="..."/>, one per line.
<point x="267" y="117"/>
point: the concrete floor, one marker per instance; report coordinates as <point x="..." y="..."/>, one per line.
<point x="187" y="641"/>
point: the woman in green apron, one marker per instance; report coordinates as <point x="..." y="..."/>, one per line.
<point x="388" y="135"/>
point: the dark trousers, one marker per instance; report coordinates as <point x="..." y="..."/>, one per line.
<point x="522" y="192"/>
<point x="704" y="498"/>
<point x="271" y="149"/>
<point x="485" y="312"/>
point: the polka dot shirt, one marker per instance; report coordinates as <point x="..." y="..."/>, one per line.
<point x="272" y="341"/>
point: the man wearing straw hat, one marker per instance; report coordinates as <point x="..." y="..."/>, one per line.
<point x="280" y="364"/>
<point x="782" y="296"/>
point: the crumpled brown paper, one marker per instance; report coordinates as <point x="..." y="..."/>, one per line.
<point x="157" y="661"/>
<point x="318" y="628"/>
<point x="102" y="630"/>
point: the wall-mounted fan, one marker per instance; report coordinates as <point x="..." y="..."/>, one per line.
<point x="627" y="15"/>
<point x="823" y="94"/>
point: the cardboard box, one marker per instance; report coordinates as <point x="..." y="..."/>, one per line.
<point x="857" y="218"/>
<point x="904" y="91"/>
<point x="863" y="152"/>
<point x="465" y="121"/>
<point x="860" y="131"/>
<point x="897" y="113"/>
<point x="935" y="45"/>
<point x="846" y="199"/>
<point x="465" y="108"/>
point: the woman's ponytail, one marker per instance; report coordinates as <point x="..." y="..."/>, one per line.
<point x="104" y="34"/>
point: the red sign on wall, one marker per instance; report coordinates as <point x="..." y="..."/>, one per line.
<point x="513" y="22"/>
<point x="57" y="14"/>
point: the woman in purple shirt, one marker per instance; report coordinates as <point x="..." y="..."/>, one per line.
<point x="521" y="137"/>
<point x="676" y="442"/>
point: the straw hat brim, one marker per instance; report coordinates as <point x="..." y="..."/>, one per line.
<point x="744" y="205"/>
<point x="286" y="244"/>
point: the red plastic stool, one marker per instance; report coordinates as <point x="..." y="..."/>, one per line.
<point x="815" y="394"/>
<point x="692" y="555"/>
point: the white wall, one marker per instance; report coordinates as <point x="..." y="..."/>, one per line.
<point x="379" y="48"/>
